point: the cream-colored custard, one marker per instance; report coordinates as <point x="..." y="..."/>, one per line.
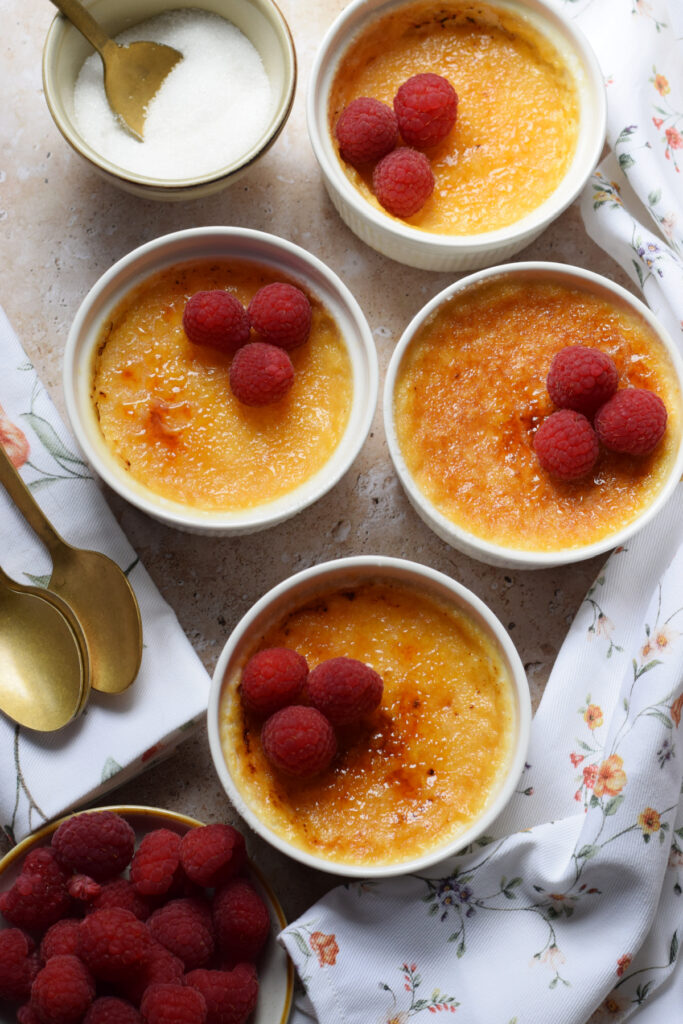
<point x="416" y="772"/>
<point x="167" y="413"/>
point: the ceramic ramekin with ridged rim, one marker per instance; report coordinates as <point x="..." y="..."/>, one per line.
<point x="465" y="541"/>
<point x="345" y="573"/>
<point x="421" y="249"/>
<point x="221" y="243"/>
<point x="276" y="971"/>
<point x="65" y="51"/>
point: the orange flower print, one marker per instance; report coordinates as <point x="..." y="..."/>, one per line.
<point x="676" y="709"/>
<point x="649" y="821"/>
<point x="623" y="963"/>
<point x="593" y="716"/>
<point x="13" y="440"/>
<point x="611" y="777"/>
<point x="590" y="774"/>
<point x="661" y="85"/>
<point x="576" y="759"/>
<point x="674" y="138"/>
<point x="326" y="947"/>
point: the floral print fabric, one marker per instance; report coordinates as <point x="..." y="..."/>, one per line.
<point x="45" y="774"/>
<point x="571" y="908"/>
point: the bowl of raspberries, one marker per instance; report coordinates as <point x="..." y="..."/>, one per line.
<point x="287" y="367"/>
<point x="385" y="144"/>
<point x="135" y="915"/>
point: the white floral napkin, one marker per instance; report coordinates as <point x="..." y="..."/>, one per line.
<point x="572" y="907"/>
<point x="45" y="774"/>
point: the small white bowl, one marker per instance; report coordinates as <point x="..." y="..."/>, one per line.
<point x="422" y="249"/>
<point x="465" y="541"/>
<point x="221" y="243"/>
<point x="65" y="51"/>
<point x="345" y="574"/>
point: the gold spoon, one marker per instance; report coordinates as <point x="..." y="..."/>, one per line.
<point x="94" y="587"/>
<point x="132" y="73"/>
<point x="44" y="663"/>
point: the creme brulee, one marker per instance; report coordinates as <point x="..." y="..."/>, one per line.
<point x="471" y="391"/>
<point x="422" y="767"/>
<point x="518" y="107"/>
<point x="166" y="410"/>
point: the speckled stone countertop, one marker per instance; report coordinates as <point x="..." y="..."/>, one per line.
<point x="61" y="226"/>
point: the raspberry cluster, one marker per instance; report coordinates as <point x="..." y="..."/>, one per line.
<point x="301" y="708"/>
<point x="279" y="314"/>
<point x="591" y="410"/>
<point x="369" y="132"/>
<point x="177" y="938"/>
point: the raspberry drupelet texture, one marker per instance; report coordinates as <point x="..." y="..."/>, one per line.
<point x="566" y="445"/>
<point x="113" y="943"/>
<point x="230" y="996"/>
<point x="403" y="181"/>
<point x="156" y="862"/>
<point x="299" y="741"/>
<point x="241" y="920"/>
<point x="185" y="928"/>
<point x="271" y="679"/>
<point x="212" y="854"/>
<point x="260" y="374"/>
<point x="112" y="1010"/>
<point x="281" y="314"/>
<point x="426" y="108"/>
<point x="18" y="965"/>
<point x="632" y="422"/>
<point x="160" y="965"/>
<point x="63" y="991"/>
<point x="121" y="892"/>
<point x="581" y="378"/>
<point x="98" y="844"/>
<point x="39" y="896"/>
<point x="216" y="318"/>
<point x="173" y="1004"/>
<point x="61" y="938"/>
<point x="366" y="130"/>
<point x="344" y="689"/>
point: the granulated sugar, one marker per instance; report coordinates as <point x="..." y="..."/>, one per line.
<point x="211" y="109"/>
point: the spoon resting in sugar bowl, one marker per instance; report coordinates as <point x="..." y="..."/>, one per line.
<point x="132" y="73"/>
<point x="44" y="662"/>
<point x="95" y="588"/>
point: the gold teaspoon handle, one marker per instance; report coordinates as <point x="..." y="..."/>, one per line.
<point x="11" y="480"/>
<point x="83" y="20"/>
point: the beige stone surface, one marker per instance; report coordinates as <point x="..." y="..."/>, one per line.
<point x="61" y="226"/>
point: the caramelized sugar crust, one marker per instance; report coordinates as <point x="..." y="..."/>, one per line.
<point x="166" y="410"/>
<point x="518" y="108"/>
<point x="417" y="771"/>
<point x="470" y="394"/>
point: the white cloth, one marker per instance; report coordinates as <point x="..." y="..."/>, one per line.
<point x="579" y="916"/>
<point x="45" y="774"/>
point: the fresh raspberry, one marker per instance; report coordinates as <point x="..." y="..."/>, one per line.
<point x="121" y="892"/>
<point x="241" y="920"/>
<point x="160" y="965"/>
<point x="112" y="1010"/>
<point x="211" y="854"/>
<point x="426" y="107"/>
<point x="366" y="130"/>
<point x="581" y="378"/>
<point x="216" y="318"/>
<point x="281" y="314"/>
<point x="83" y="888"/>
<point x="344" y="689"/>
<point x="185" y="928"/>
<point x="299" y="740"/>
<point x="231" y="996"/>
<point x="173" y="1004"/>
<point x="566" y="445"/>
<point x="18" y="967"/>
<point x="113" y="942"/>
<point x="27" y="1015"/>
<point x="62" y="991"/>
<point x="63" y="937"/>
<point x="271" y="679"/>
<point x="403" y="181"/>
<point x="156" y="862"/>
<point x="95" y="843"/>
<point x="261" y="374"/>
<point x="633" y="421"/>
<point x="39" y="895"/>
